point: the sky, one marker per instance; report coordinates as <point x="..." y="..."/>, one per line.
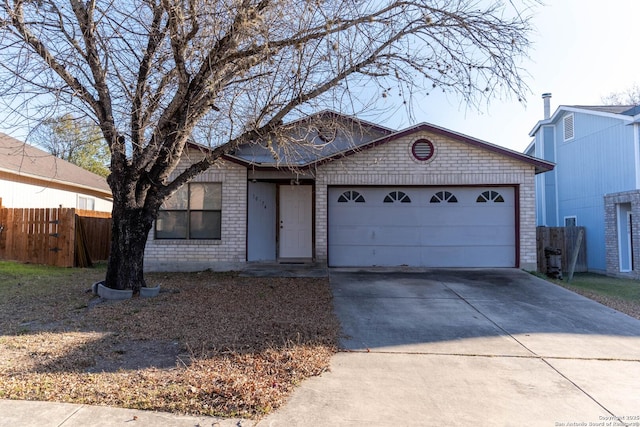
<point x="581" y="51"/>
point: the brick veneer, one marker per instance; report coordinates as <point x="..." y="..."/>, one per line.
<point x="228" y="253"/>
<point x="454" y="163"/>
<point x="611" y="202"/>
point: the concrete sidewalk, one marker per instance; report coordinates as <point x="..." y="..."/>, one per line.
<point x="20" y="413"/>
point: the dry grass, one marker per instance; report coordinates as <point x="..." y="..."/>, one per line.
<point x="215" y="344"/>
<point x="618" y="293"/>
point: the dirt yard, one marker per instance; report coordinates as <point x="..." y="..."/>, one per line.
<point x="210" y="344"/>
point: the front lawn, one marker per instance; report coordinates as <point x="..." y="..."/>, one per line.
<point x="212" y="344"/>
<point x="620" y="294"/>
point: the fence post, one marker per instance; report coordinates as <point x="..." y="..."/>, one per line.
<point x="66" y="234"/>
<point x="4" y="229"/>
<point x="574" y="255"/>
<point x="15" y="234"/>
<point x="542" y="241"/>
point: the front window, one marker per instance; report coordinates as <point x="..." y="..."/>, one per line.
<point x="193" y="212"/>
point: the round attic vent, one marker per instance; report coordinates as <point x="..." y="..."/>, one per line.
<point x="422" y="150"/>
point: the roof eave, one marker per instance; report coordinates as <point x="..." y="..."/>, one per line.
<point x="576" y="109"/>
<point x="538" y="125"/>
<point x="529" y="147"/>
<point x="42" y="179"/>
<point x="539" y="164"/>
<point x="378" y="127"/>
<point x="265" y="166"/>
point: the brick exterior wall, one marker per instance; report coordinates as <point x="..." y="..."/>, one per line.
<point x="454" y="163"/>
<point x="228" y="253"/>
<point x="611" y="202"/>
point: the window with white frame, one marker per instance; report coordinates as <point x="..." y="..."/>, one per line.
<point x="86" y="203"/>
<point x="570" y="221"/>
<point x="193" y="212"/>
<point x="567" y="124"/>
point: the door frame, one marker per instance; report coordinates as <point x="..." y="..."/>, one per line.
<point x="630" y="234"/>
<point x="625" y="237"/>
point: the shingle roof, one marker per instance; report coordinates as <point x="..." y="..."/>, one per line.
<point x="21" y="159"/>
<point x="615" y="109"/>
<point x="363" y="136"/>
<point x="347" y="134"/>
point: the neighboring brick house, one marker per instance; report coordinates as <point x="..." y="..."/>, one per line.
<point x="596" y="183"/>
<point x="32" y="178"/>
<point x="424" y="196"/>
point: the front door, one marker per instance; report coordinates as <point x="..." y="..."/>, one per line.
<point x="261" y="221"/>
<point x="295" y="221"/>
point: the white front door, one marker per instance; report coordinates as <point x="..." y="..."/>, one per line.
<point x="295" y="221"/>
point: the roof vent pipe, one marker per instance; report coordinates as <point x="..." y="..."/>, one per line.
<point x="547" y="105"/>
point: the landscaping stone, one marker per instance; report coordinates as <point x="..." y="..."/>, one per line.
<point x="113" y="294"/>
<point x="150" y="292"/>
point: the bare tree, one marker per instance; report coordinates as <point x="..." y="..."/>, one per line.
<point x="630" y="96"/>
<point x="75" y="140"/>
<point x="154" y="73"/>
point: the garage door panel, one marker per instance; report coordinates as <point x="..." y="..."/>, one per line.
<point x="381" y="256"/>
<point x="370" y="235"/>
<point x="395" y="236"/>
<point x="386" y="216"/>
<point x="421" y="233"/>
<point x="464" y="235"/>
<point x="460" y="216"/>
<point x="376" y="216"/>
<point x="464" y="256"/>
<point x="371" y="217"/>
<point x="450" y="256"/>
<point x="420" y="236"/>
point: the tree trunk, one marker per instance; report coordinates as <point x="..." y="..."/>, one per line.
<point x="129" y="231"/>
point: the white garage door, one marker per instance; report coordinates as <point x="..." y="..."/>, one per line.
<point x="422" y="226"/>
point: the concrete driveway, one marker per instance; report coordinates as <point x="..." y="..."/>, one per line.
<point x="471" y="347"/>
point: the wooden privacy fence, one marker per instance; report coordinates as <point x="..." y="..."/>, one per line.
<point x="93" y="237"/>
<point x="64" y="237"/>
<point x="565" y="239"/>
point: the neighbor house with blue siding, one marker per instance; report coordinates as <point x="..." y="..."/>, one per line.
<point x="596" y="181"/>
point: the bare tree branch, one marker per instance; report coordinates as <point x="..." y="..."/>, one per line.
<point x="154" y="74"/>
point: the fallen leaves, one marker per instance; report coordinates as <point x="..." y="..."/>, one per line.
<point x="217" y="345"/>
